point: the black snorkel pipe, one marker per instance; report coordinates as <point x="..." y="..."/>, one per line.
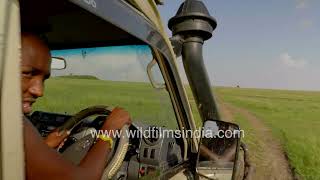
<point x="191" y="26"/>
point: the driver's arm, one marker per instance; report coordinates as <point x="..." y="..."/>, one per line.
<point x="44" y="162"/>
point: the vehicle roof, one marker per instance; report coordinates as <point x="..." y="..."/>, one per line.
<point x="66" y="25"/>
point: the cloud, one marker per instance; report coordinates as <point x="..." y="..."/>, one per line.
<point x="288" y="61"/>
<point x="302" y="4"/>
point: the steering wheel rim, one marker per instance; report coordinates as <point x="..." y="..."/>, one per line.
<point x="78" y="117"/>
<point x="115" y="162"/>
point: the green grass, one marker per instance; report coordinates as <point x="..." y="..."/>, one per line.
<point x="293" y="117"/>
<point x="193" y="107"/>
<point x="78" y="77"/>
<point x="249" y="138"/>
<point x="145" y="104"/>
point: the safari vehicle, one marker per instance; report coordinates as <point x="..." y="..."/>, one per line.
<point x="123" y="43"/>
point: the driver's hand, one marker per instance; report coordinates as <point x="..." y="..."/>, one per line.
<point x="55" y="138"/>
<point x="116" y="120"/>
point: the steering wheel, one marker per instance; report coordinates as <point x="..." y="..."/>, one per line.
<point x="119" y="151"/>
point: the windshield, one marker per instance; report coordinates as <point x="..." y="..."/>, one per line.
<point x="112" y="76"/>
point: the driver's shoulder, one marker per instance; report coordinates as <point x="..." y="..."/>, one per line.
<point x="30" y="130"/>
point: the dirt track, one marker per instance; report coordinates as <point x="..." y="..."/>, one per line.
<point x="267" y="156"/>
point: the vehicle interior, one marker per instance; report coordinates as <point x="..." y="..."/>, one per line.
<point x="100" y="54"/>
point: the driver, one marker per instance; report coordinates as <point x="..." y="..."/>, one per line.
<point x="42" y="161"/>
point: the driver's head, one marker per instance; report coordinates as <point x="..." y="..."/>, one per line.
<point x="35" y="69"/>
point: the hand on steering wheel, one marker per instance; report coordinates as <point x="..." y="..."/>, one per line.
<point x="117" y="119"/>
<point x="55" y="138"/>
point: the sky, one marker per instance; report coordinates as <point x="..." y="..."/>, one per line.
<point x="272" y="44"/>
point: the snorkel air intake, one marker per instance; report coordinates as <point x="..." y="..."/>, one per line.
<point x="191" y="27"/>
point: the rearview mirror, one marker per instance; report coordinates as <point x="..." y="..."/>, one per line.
<point x="218" y="150"/>
<point x="58" y="63"/>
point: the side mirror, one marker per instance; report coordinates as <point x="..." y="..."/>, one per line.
<point x="58" y="63"/>
<point x="218" y="150"/>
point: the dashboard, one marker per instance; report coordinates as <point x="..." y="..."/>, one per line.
<point x="152" y="150"/>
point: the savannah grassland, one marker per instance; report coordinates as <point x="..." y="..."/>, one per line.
<point x="70" y="95"/>
<point x="293" y="116"/>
